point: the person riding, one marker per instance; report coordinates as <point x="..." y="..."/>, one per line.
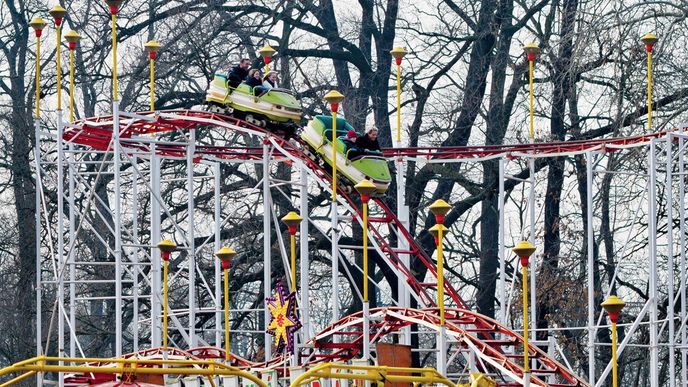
<point x="238" y="73"/>
<point x="270" y="80"/>
<point x="350" y="149"/>
<point x="368" y="141"/>
<point x="253" y="80"/>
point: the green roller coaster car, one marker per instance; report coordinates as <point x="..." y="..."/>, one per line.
<point x="276" y="107"/>
<point x="371" y="166"/>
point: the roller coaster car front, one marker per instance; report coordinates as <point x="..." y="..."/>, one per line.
<point x="371" y="166"/>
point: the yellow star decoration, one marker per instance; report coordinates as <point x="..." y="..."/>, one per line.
<point x="280" y="321"/>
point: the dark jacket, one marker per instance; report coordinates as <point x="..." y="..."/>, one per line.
<point x="236" y="75"/>
<point x="364" y="142"/>
<point x="253" y="82"/>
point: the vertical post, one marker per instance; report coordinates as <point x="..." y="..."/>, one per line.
<point x="613" y="305"/>
<point x="71" y="258"/>
<point x="38" y="24"/>
<point x="293" y="221"/>
<point x="155" y="259"/>
<point x="398" y="53"/>
<point x="403" y="244"/>
<point x="191" y="234"/>
<point x="500" y="249"/>
<point x="524" y="250"/>
<point x="682" y="253"/>
<point x="73" y="38"/>
<point x="670" y="258"/>
<point x="225" y="255"/>
<point x="135" y="255"/>
<point x="166" y="247"/>
<point x="652" y="230"/>
<point x="365" y="188"/>
<point x="118" y="229"/>
<point x="591" y="270"/>
<point x="152" y="47"/>
<point x="114" y="8"/>
<point x="305" y="264"/>
<point x="531" y="50"/>
<point x="440" y="208"/>
<point x="267" y="250"/>
<point x="218" y="244"/>
<point x="649" y="41"/>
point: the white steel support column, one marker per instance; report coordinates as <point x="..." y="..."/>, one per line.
<point x="652" y="229"/>
<point x="402" y="244"/>
<point x="39" y="282"/>
<point x="682" y="254"/>
<point x="218" y="245"/>
<point x="670" y="257"/>
<point x="335" y="264"/>
<point x="191" y="148"/>
<point x="442" y="351"/>
<point x="135" y="252"/>
<point x="117" y="218"/>
<point x="591" y="270"/>
<point x="155" y="237"/>
<point x="60" y="243"/>
<point x="304" y="258"/>
<point x="500" y="249"/>
<point x="267" y="251"/>
<point x="531" y="239"/>
<point x="72" y="265"/>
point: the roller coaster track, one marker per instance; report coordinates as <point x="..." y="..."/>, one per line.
<point x="494" y="345"/>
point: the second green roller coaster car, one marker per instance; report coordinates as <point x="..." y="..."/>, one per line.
<point x="371" y="166"/>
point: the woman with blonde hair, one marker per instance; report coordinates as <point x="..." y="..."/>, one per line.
<point x="270" y="80"/>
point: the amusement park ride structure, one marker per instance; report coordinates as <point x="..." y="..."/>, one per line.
<point x="135" y="155"/>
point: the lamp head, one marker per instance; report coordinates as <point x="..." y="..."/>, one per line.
<point x="225" y="255"/>
<point x="524" y="250"/>
<point x="365" y="188"/>
<point x="333" y="97"/>
<point x="166" y="248"/>
<point x="114" y="5"/>
<point x="266" y="52"/>
<point x="152" y="47"/>
<point x="38" y="24"/>
<point x="531" y="49"/>
<point x="649" y="41"/>
<point x="435" y="231"/>
<point x="292" y="220"/>
<point x="73" y="38"/>
<point x="440" y="208"/>
<point x="58" y="13"/>
<point x="613" y="305"/>
<point x="398" y="53"/>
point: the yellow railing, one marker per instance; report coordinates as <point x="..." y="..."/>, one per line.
<point x="377" y="374"/>
<point x="34" y="365"/>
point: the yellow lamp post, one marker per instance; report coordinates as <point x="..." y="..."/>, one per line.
<point x="152" y="47"/>
<point x="38" y="25"/>
<point x="225" y="255"/>
<point x="531" y="49"/>
<point x="292" y="220"/>
<point x="73" y="38"/>
<point x="398" y="53"/>
<point x="334" y="98"/>
<point x="613" y="305"/>
<point x="58" y="13"/>
<point x="365" y="188"/>
<point x="167" y="247"/>
<point x="267" y="52"/>
<point x="649" y="41"/>
<point x="440" y="208"/>
<point x="114" y="5"/>
<point x="524" y="250"/>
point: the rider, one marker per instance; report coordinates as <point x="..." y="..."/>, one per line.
<point x="368" y="141"/>
<point x="253" y="80"/>
<point x="238" y="73"/>
<point x="270" y="80"/>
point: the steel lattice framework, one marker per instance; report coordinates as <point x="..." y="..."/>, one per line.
<point x="97" y="159"/>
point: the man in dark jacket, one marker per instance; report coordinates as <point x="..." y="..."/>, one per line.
<point x="238" y="73"/>
<point x="368" y="141"/>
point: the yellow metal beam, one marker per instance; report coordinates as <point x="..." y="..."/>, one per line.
<point x="376" y="374"/>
